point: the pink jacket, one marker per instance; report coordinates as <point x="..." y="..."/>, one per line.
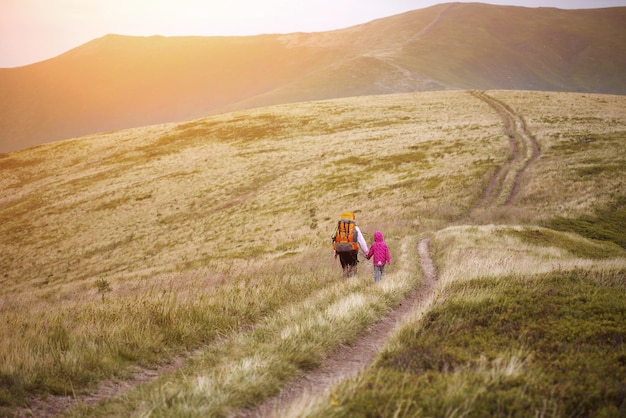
<point x="379" y="250"/>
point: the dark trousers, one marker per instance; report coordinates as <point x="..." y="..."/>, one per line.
<point x="349" y="261"/>
<point x="348" y="258"/>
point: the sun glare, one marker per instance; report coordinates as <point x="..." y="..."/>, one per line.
<point x="34" y="30"/>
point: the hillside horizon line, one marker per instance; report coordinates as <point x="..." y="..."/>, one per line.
<point x="123" y="81"/>
<point x="160" y="35"/>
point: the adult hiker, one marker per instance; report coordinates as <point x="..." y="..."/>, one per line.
<point x="346" y="242"/>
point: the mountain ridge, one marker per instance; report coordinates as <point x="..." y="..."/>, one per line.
<point x="119" y="81"/>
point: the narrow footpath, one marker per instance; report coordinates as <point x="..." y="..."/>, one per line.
<point x="348" y="361"/>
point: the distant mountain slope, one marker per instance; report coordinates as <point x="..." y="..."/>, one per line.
<point x="120" y="81"/>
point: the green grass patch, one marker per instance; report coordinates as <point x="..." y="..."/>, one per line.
<point x="551" y="345"/>
<point x="594" y="170"/>
<point x="606" y="224"/>
<point x="576" y="142"/>
<point x="354" y="160"/>
<point x="11" y="162"/>
<point x="411" y="157"/>
<point x="574" y="245"/>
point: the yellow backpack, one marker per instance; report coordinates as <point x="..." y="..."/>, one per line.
<point x="346" y="236"/>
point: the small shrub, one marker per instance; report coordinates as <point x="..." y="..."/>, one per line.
<point x="103" y="286"/>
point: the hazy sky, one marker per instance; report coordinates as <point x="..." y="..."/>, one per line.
<point x="34" y="30"/>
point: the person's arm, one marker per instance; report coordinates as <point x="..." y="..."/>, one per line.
<point x="361" y="240"/>
<point x="370" y="253"/>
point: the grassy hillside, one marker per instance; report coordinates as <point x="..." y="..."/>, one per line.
<point x="520" y="48"/>
<point x="206" y="245"/>
<point x="119" y="82"/>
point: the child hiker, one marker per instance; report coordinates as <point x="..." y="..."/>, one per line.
<point x="380" y="251"/>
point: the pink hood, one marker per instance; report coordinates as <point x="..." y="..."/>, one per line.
<point x="379" y="250"/>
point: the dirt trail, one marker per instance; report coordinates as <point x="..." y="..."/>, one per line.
<point x="348" y="361"/>
<point x="430" y="26"/>
<point x="506" y="182"/>
<point x="55" y="405"/>
<point x="387" y="55"/>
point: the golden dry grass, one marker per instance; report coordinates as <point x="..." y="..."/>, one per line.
<point x="263" y="183"/>
<point x="580" y="136"/>
<point x="185" y="217"/>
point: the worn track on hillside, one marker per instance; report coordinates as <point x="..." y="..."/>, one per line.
<point x="387" y="56"/>
<point x="506" y="182"/>
<point x="55" y="405"/>
<point x="428" y="28"/>
<point x="350" y="360"/>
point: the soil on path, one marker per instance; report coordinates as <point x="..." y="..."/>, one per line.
<point x="506" y="182"/>
<point x="55" y="405"/>
<point x="348" y="361"/>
